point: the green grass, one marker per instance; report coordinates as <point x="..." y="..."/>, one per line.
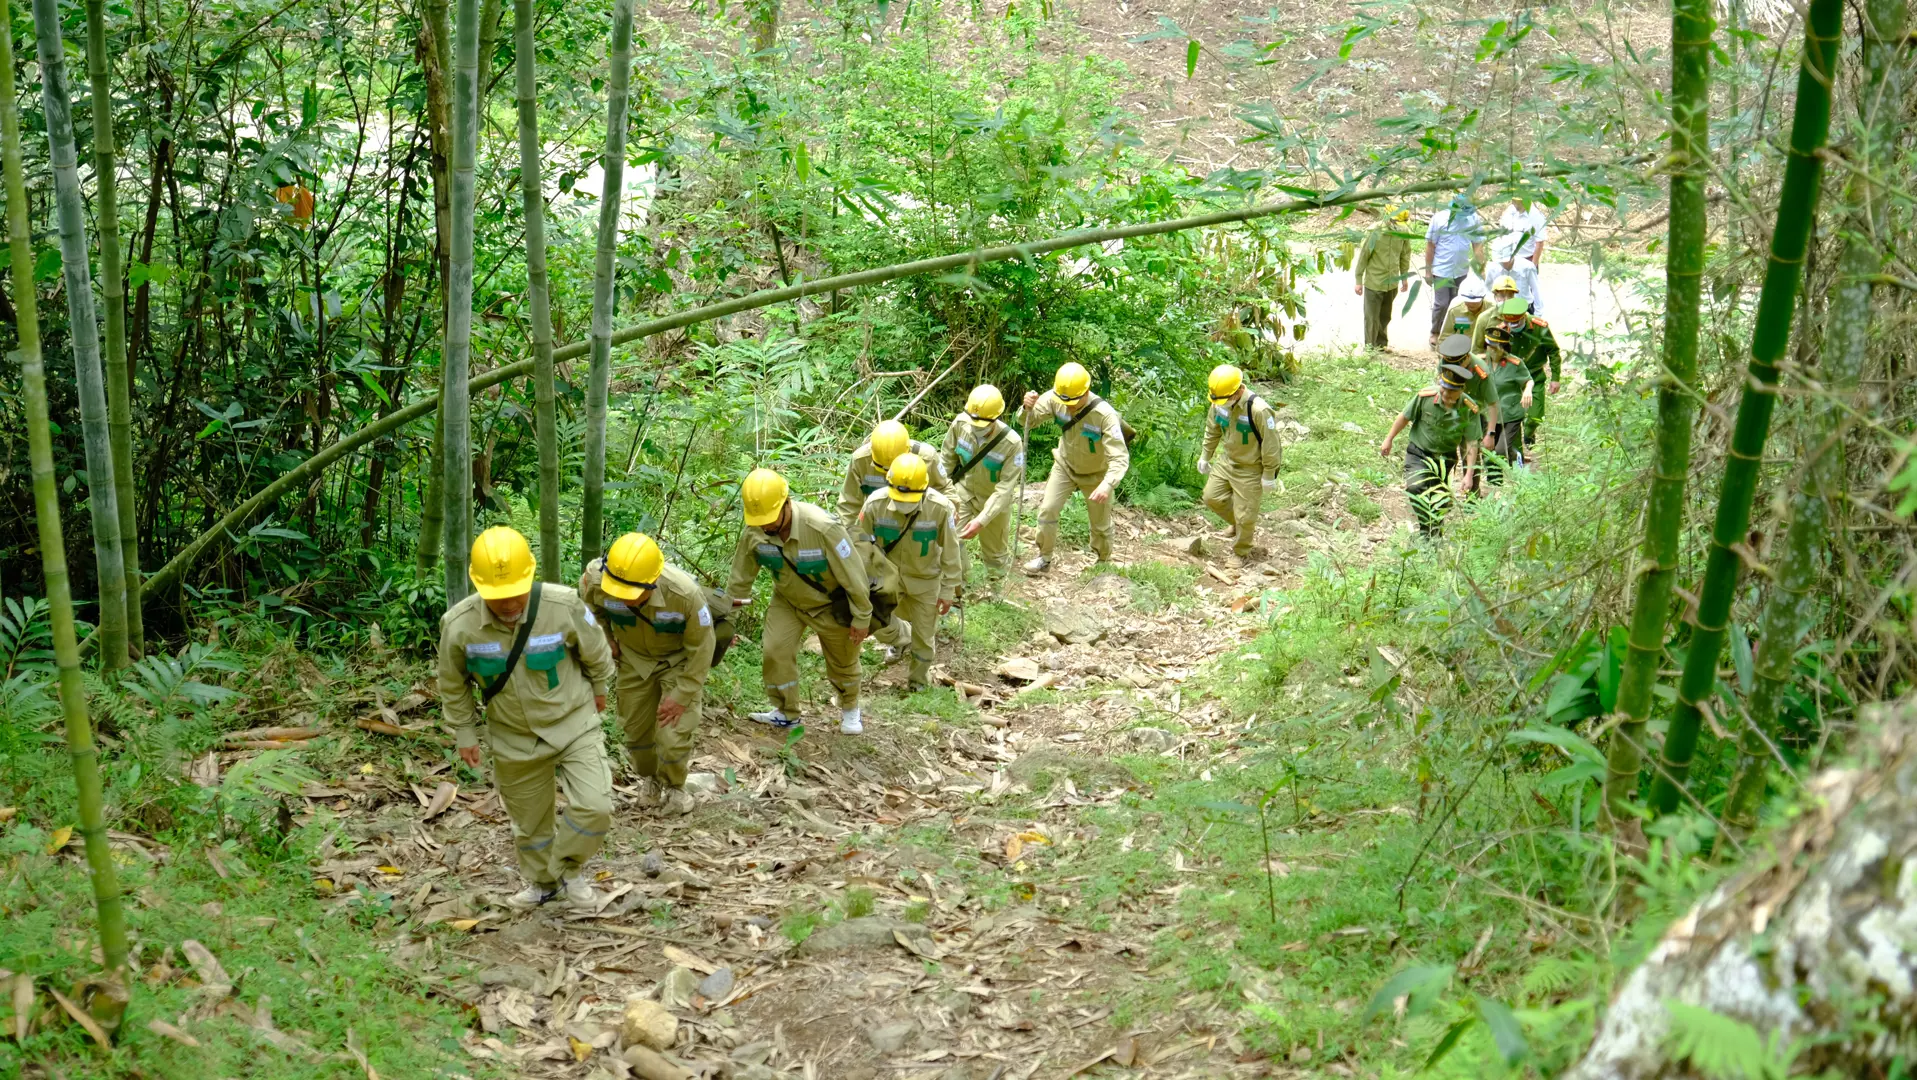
<point x="994" y="627"/>
<point x="321" y="966"/>
<point x="1156" y="585"/>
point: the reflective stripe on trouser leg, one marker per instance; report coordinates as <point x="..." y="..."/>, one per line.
<point x="1234" y="492"/>
<point x="639" y="718"/>
<point x="918" y="603"/>
<point x="1058" y="488"/>
<point x="586" y="778"/>
<point x="779" y="654"/>
<point x="526" y="787"/>
<point x="994" y="544"/>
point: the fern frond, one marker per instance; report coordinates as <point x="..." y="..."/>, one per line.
<point x="1721" y="1047"/>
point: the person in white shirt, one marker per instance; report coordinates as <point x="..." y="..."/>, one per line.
<point x="1520" y="246"/>
<point x="1453" y="244"/>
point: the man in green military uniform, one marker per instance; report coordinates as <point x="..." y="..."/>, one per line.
<point x="662" y="632"/>
<point x="1512" y="380"/>
<point x="985" y="460"/>
<point x="916" y="531"/>
<point x="1381" y="271"/>
<point x="1444" y="423"/>
<point x="818" y="583"/>
<point x="1533" y="342"/>
<point x="865" y="473"/>
<point x="541" y="665"/>
<point x="1243" y="423"/>
<point x="1090" y="457"/>
<point x="1455" y="350"/>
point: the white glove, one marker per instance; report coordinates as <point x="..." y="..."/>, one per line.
<point x="1271" y="483"/>
<point x="1204" y="467"/>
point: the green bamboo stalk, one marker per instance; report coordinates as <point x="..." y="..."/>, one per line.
<point x="1789" y="608"/>
<point x="1776" y="305"/>
<point x="457" y="469"/>
<point x="532" y="192"/>
<point x="102" y="491"/>
<point x="305" y="471"/>
<point x="432" y="502"/>
<point x="1689" y="165"/>
<point x="46" y="512"/>
<point x="119" y="370"/>
<point x="599" y="373"/>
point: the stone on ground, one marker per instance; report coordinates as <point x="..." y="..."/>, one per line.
<point x="1072" y="625"/>
<point x="854" y="935"/>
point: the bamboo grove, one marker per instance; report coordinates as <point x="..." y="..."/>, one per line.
<point x="329" y="305"/>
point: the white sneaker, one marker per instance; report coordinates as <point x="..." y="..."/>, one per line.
<point x="530" y="897"/>
<point x="850" y="724"/>
<point x="892" y="654"/>
<point x="678" y="802"/>
<point x="579" y="891"/>
<point x="1039" y="565"/>
<point x="649" y="795"/>
<point x="774" y="718"/>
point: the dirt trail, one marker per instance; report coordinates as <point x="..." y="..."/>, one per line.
<point x="932" y="981"/>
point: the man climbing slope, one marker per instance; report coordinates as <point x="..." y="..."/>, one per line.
<point x="985" y="460"/>
<point x="541" y="666"/>
<point x="818" y="584"/>
<point x="915" y="529"/>
<point x="1090" y="457"/>
<point x="865" y="473"/>
<point x="1243" y="423"/>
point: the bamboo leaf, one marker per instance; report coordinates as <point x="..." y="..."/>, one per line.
<point x="1191" y="57"/>
<point x="1505" y="1030"/>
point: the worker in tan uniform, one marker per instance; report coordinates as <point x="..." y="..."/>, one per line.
<point x="865" y="474"/>
<point x="819" y="583"/>
<point x="1090" y="457"/>
<point x="1242" y="423"/>
<point x="985" y="460"/>
<point x="658" y="621"/>
<point x="915" y="529"/>
<point x="541" y="666"/>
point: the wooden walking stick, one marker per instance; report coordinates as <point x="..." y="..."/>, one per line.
<point x="1025" y="448"/>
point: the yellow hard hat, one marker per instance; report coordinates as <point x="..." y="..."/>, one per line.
<point x="1225" y="381"/>
<point x="1507" y="283"/>
<point x="763" y="493"/>
<point x="632" y="566"/>
<point x="984" y="405"/>
<point x="1071" y="382"/>
<point x="889" y="440"/>
<point x="1398" y="214"/>
<point x="907" y="477"/>
<point x="502" y="564"/>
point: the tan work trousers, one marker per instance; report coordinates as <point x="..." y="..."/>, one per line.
<point x="915" y="624"/>
<point x="1234" y="493"/>
<point x="549" y="850"/>
<point x="994" y="540"/>
<point x="785" y="627"/>
<point x="1058" y="488"/>
<point x="660" y="751"/>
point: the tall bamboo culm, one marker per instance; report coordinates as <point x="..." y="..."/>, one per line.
<point x="1776" y="304"/>
<point x="532" y="192"/>
<point x="1789" y="608"/>
<point x="102" y="494"/>
<point x="119" y="371"/>
<point x="432" y="493"/>
<point x="46" y="512"/>
<point x="457" y="456"/>
<point x="1689" y="164"/>
<point x="599" y="376"/>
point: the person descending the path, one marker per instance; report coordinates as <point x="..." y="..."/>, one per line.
<point x="1532" y="342"/>
<point x="1463" y="316"/>
<point x="1091" y="457"/>
<point x="1524" y="226"/>
<point x="665" y="636"/>
<point x="1453" y="244"/>
<point x="818" y="583"/>
<point x="985" y="460"/>
<point x="1444" y="423"/>
<point x="541" y="667"/>
<point x="1514" y="385"/>
<point x="1381" y="271"/>
<point x="914" y="529"/>
<point x="1244" y="424"/>
<point x="1502" y="289"/>
<point x="866" y="472"/>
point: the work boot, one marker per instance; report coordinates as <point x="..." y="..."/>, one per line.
<point x="1226" y="533"/>
<point x="678" y="802"/>
<point x="531" y="897"/>
<point x="850" y="723"/>
<point x="892" y="654"/>
<point x="579" y="891"/>
<point x="1238" y="562"/>
<point x="772" y="718"/>
<point x="1039" y="565"/>
<point x="648" y="794"/>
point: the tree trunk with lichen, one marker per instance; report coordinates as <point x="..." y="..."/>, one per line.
<point x="1810" y="948"/>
